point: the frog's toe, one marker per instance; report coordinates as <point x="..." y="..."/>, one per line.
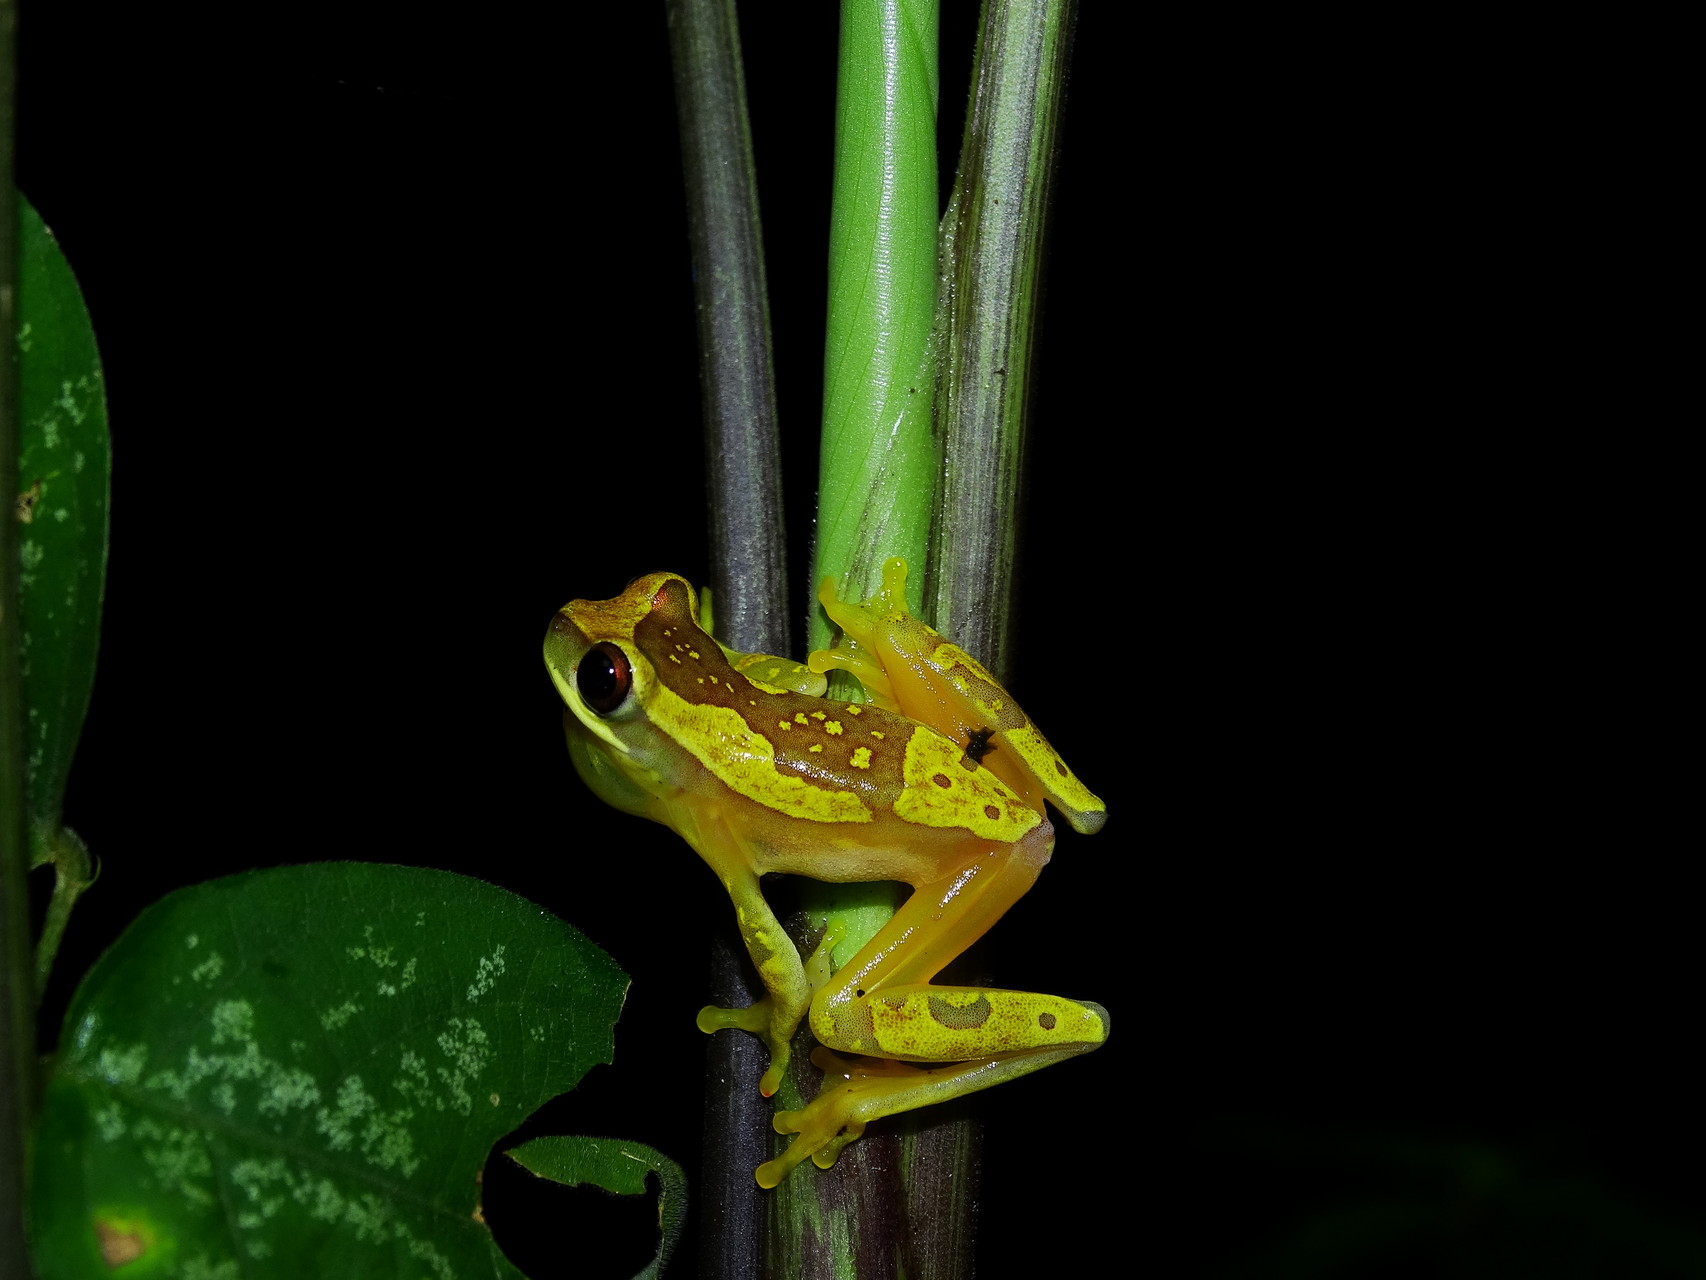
<point x="820" y="965"/>
<point x="822" y="1127"/>
<point x="821" y="1133"/>
<point x="824" y="1156"/>
<point x="754" y="1018"/>
<point x="771" y="1172"/>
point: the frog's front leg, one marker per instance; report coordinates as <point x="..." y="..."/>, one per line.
<point x="882" y="1005"/>
<point x="787" y="992"/>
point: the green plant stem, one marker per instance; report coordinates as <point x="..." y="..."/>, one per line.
<point x="18" y="1083"/>
<point x="877" y="470"/>
<point x="993" y="238"/>
<point x="876" y="499"/>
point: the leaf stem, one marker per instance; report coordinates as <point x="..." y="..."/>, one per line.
<point x="72" y="874"/>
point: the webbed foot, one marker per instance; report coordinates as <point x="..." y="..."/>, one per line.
<point x="853" y="1093"/>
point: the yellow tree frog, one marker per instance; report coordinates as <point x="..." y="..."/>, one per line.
<point x="939" y="781"/>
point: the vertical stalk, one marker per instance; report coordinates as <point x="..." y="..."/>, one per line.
<point x="877" y="471"/>
<point x="993" y="238"/>
<point x="881" y="463"/>
<point x="748" y="552"/>
<point x="17" y="986"/>
<point x="742" y="452"/>
<point x="894" y="1202"/>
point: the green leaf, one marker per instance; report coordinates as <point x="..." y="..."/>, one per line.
<point x="300" y="1072"/>
<point x="616" y="1166"/>
<point x="63" y="464"/>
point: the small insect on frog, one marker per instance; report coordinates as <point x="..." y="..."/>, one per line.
<point x="939" y="781"/>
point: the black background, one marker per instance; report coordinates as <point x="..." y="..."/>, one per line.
<point x="398" y="332"/>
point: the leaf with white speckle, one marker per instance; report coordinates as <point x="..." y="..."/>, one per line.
<point x="236" y="1096"/>
<point x="63" y="463"/>
<point x="623" y="1168"/>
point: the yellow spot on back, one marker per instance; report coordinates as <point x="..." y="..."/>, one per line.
<point x="861" y="758"/>
<point x="853" y="709"/>
<point x="783" y="724"/>
<point x="816" y="746"/>
<point x="833" y="728"/>
<point x="800" y="718"/>
<point x="877" y="734"/>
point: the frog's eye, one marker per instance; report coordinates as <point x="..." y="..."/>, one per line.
<point x="604" y="678"/>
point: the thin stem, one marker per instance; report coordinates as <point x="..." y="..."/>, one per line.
<point x="748" y="551"/>
<point x="993" y="238"/>
<point x="743" y="455"/>
<point x="18" y="1081"/>
<point x="71" y="876"/>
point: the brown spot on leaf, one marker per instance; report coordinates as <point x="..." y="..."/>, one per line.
<point x="121" y="1242"/>
<point x="27" y="503"/>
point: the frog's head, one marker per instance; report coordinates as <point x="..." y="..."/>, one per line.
<point x="599" y="654"/>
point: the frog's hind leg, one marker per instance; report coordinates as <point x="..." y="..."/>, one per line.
<point x="856" y="1091"/>
<point x="883" y="1005"/>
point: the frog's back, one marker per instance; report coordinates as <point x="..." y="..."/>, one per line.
<point x="862" y="778"/>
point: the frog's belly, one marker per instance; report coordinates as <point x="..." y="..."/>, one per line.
<point x="883" y="849"/>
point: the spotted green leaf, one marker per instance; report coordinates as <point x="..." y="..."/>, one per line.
<point x="63" y="463"/>
<point x="617" y="1166"/>
<point x="300" y="1072"/>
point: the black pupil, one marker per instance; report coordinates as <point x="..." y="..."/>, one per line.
<point x="603" y="677"/>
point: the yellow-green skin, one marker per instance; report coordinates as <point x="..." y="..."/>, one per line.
<point x="938" y="783"/>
